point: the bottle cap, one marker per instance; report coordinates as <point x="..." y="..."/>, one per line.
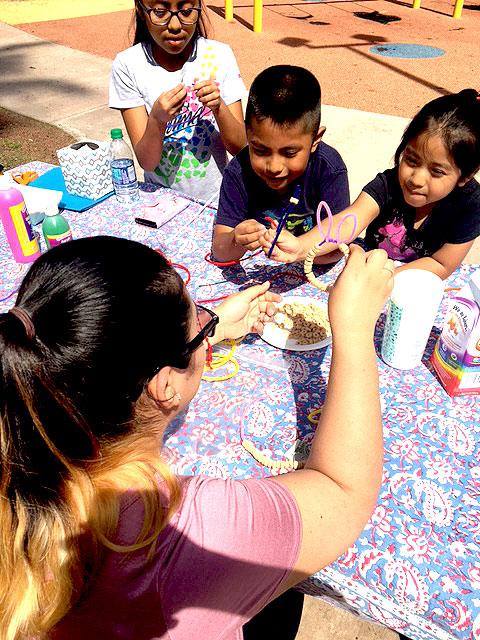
<point x="5" y="183"/>
<point x="51" y="209"/>
<point x="116" y="133"/>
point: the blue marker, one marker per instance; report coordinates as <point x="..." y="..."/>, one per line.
<point x="282" y="223"/>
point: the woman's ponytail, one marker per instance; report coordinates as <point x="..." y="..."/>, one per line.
<point x="75" y="351"/>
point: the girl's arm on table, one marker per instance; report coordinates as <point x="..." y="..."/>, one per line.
<point x="337" y="491"/>
<point x="293" y="249"/>
<point x="443" y="262"/>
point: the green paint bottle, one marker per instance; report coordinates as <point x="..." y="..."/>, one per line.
<point x="56" y="229"/>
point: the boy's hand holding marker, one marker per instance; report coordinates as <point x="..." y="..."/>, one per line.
<point x="287" y="248"/>
<point x="290" y="248"/>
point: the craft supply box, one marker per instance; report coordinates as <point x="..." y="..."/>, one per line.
<point x="456" y="357"/>
<point x="86" y="168"/>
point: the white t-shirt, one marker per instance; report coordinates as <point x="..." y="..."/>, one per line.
<point x="193" y="156"/>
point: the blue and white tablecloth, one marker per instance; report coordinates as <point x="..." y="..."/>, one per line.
<point x="416" y="566"/>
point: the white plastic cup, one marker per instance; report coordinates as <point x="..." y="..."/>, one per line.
<point x="412" y="309"/>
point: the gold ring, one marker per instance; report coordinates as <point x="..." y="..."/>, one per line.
<point x="391" y="269"/>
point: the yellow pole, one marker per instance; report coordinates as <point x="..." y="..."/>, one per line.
<point x="457" y="11"/>
<point x="257" y="16"/>
<point x="229" y="10"/>
<point x="416" y="4"/>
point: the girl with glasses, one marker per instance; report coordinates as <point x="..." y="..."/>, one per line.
<point x="98" y="539"/>
<point x="180" y="97"/>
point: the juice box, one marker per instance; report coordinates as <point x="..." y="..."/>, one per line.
<point x="456" y="357"/>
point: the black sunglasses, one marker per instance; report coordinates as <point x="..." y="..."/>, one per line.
<point x="207" y="322"/>
<point x="206" y="330"/>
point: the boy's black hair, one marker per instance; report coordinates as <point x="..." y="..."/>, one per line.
<point x="286" y="95"/>
<point x="456" y="119"/>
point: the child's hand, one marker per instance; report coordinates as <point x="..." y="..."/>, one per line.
<point x="247" y="311"/>
<point x="286" y="249"/>
<point x="359" y="293"/>
<point x="208" y="93"/>
<point x="169" y="104"/>
<point x="248" y="233"/>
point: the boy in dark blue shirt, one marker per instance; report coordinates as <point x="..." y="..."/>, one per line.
<point x="284" y="165"/>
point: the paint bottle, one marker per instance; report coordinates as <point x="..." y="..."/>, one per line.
<point x="16" y="223"/>
<point x="56" y="229"/>
<point x="412" y="309"/>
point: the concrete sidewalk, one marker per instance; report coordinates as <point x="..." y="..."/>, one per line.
<point x="55" y="84"/>
<point x="69" y="88"/>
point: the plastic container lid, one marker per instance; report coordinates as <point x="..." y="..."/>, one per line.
<point x="116" y="133"/>
<point x="5" y="183"/>
<point x="51" y="210"/>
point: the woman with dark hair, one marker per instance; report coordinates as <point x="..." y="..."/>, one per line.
<point x="180" y="97"/>
<point x="97" y="538"/>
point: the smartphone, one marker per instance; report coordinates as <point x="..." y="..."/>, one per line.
<point x="159" y="214"/>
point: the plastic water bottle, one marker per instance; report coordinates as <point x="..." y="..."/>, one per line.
<point x="16" y="223"/>
<point x="123" y="170"/>
<point x="56" y="229"/>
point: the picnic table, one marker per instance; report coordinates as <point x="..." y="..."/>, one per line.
<point x="416" y="566"/>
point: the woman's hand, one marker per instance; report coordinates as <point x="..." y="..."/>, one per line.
<point x="246" y="312"/>
<point x="208" y="93"/>
<point x="359" y="293"/>
<point x="169" y="104"/>
<point x="287" y="248"/>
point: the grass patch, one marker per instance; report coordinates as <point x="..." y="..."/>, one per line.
<point x="25" y="139"/>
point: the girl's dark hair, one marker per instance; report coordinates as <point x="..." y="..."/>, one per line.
<point x="287" y="95"/>
<point x="456" y="118"/>
<point x="139" y="20"/>
<point x="107" y="313"/>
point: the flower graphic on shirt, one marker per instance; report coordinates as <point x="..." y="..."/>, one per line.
<point x="186" y="157"/>
<point x="395" y="232"/>
<point x="393" y="238"/>
<point x="188" y="137"/>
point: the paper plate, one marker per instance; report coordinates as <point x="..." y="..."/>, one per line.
<point x="278" y="337"/>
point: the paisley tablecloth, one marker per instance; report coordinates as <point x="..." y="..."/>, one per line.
<point x="416" y="566"/>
